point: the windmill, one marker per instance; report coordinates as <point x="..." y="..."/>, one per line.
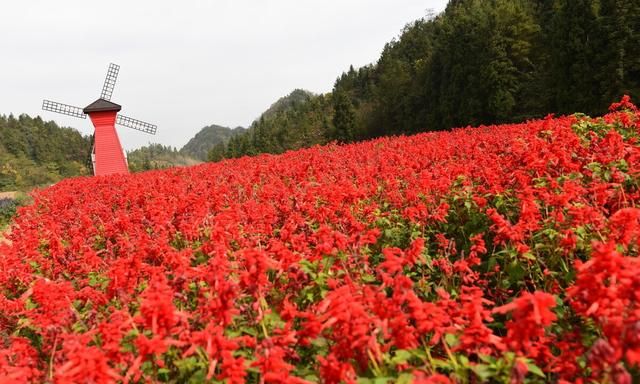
<point x="107" y="154"/>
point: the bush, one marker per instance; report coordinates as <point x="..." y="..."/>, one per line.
<point x="9" y="208"/>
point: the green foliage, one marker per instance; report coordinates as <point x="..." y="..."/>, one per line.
<point x="208" y="144"/>
<point x="295" y="121"/>
<point x="37" y="153"/>
<point x="157" y="156"/>
<point x="208" y="137"/>
<point x="478" y="62"/>
<point x="573" y="60"/>
<point x="344" y="118"/>
<point x="9" y="207"/>
<point x="619" y="51"/>
<point x="217" y="152"/>
<point x="286" y="103"/>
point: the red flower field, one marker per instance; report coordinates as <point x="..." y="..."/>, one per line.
<point x="504" y="253"/>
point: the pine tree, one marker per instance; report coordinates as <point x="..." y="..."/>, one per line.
<point x="619" y="50"/>
<point x="343" y="118"/>
<point x="572" y="66"/>
<point x="216" y="153"/>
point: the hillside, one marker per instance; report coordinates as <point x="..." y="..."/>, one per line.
<point x="212" y="137"/>
<point x="294" y="99"/>
<point x="478" y="62"/>
<point x="500" y="254"/>
<point x="290" y="123"/>
<point x="207" y="138"/>
<point x="36" y="153"/>
<point x="157" y="156"/>
<point x="271" y="132"/>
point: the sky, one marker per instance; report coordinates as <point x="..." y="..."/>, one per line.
<point x="190" y="63"/>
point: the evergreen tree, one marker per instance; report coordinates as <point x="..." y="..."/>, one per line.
<point x="260" y="137"/>
<point x="619" y="49"/>
<point x="343" y="118"/>
<point x="216" y="153"/>
<point x="572" y="69"/>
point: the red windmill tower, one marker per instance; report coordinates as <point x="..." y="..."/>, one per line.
<point x="107" y="154"/>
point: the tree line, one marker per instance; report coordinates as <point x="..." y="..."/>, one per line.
<point x="478" y="62"/>
<point x="157" y="156"/>
<point x="36" y="153"/>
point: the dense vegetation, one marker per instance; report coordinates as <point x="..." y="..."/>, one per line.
<point x="291" y="101"/>
<point x="9" y="203"/>
<point x="479" y="62"/>
<point x="208" y="137"/>
<point x="37" y="153"/>
<point x="157" y="156"/>
<point x="499" y="254"/>
<point x="210" y="143"/>
<point x="8" y="207"/>
<point x="290" y="123"/>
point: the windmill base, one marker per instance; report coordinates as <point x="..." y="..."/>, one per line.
<point x="108" y="157"/>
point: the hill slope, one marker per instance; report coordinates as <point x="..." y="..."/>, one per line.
<point x="294" y="121"/>
<point x="296" y="98"/>
<point x="157" y="156"/>
<point x="207" y="138"/>
<point x="37" y="153"/>
<point x="498" y="254"/>
<point x="479" y="62"/>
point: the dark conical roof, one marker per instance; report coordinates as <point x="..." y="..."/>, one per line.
<point x="101" y="105"/>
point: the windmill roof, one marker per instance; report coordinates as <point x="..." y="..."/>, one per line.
<point x="101" y="105"/>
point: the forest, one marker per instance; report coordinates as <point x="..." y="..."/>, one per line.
<point x="478" y="62"/>
<point x="37" y="153"/>
<point x="157" y="156"/>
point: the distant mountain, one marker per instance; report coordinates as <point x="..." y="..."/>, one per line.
<point x="286" y="103"/>
<point x="297" y="120"/>
<point x="207" y="138"/>
<point x="158" y="156"/>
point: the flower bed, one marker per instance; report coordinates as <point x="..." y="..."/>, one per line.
<point x="503" y="253"/>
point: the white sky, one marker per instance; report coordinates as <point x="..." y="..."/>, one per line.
<point x="187" y="64"/>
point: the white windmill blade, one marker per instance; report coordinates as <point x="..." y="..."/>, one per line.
<point x="110" y="81"/>
<point x="126" y="121"/>
<point x="64" y="109"/>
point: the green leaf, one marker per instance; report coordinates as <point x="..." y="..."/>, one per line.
<point x="405" y="378"/>
<point x="515" y="271"/>
<point x="451" y="339"/>
<point x="483" y="371"/>
<point x="401" y="356"/>
<point x="30" y="304"/>
<point x="535" y="369"/>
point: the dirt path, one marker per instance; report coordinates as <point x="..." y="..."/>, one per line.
<point x="8" y="195"/>
<point x="3" y="239"/>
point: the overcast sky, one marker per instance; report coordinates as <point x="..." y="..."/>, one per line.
<point x="190" y="63"/>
